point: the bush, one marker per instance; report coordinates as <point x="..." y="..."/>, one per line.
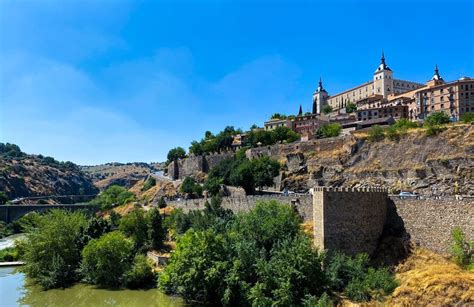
<point x="433" y="129"/>
<point x="404" y="123"/>
<point x="313" y="301"/>
<point x="329" y="131"/>
<point x="351" y="107"/>
<point x="141" y="275"/>
<point x="462" y="250"/>
<point x="327" y="109"/>
<point x="189" y="186"/>
<point x="375" y="284"/>
<point x="161" y="202"/>
<point x="213" y="185"/>
<point x="9" y="254"/>
<point x="105" y="260"/>
<point x="149" y="183"/>
<point x="392" y="133"/>
<point x="375" y="133"/>
<point x="467" y="117"/>
<point x="176" y="154"/>
<point x="113" y="196"/>
<point x="52" y="253"/>
<point x="437" y="118"/>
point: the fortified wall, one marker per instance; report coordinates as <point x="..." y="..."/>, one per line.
<point x="349" y="220"/>
<point x="195" y="164"/>
<point x="303" y="203"/>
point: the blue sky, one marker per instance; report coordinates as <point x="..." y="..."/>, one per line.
<point x="101" y="81"/>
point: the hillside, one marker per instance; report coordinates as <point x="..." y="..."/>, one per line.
<point x="432" y="165"/>
<point x="24" y="175"/>
<point x="123" y="174"/>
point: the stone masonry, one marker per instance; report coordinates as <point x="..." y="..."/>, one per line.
<point x="349" y="220"/>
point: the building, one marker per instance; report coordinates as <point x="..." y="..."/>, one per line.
<point x="307" y="125"/>
<point x="396" y="111"/>
<point x="276" y="122"/>
<point x="406" y="98"/>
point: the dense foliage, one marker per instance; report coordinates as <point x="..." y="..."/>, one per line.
<point x="191" y="187"/>
<point x="214" y="143"/>
<point x="113" y="196"/>
<point x="327" y="109"/>
<point x="176" y="154"/>
<point x="328" y="131"/>
<point x="3" y="198"/>
<point x="262" y="258"/>
<point x="240" y="171"/>
<point x="52" y="254"/>
<point x="351" y="107"/>
<point x="106" y="259"/>
<point x="62" y="247"/>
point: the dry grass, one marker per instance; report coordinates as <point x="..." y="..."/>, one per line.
<point x="307" y="228"/>
<point x="428" y="279"/>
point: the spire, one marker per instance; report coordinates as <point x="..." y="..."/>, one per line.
<point x="383" y="65"/>
<point x="436" y="75"/>
<point x="320" y="85"/>
<point x="382" y="60"/>
<point x="300" y="112"/>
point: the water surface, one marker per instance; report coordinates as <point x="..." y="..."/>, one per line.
<point x="16" y="291"/>
<point x="10" y="240"/>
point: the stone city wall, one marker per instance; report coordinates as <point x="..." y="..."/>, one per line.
<point x="193" y="165"/>
<point x="429" y="222"/>
<point x="349" y="220"/>
<point x="303" y="203"/>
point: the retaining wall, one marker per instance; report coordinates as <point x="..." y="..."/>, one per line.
<point x="10" y="213"/>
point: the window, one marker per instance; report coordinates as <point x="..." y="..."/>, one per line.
<point x="441" y="91"/>
<point x="442" y="106"/>
<point x="442" y="98"/>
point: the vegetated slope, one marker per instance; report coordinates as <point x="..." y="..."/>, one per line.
<point x="123" y="174"/>
<point x="24" y="175"/>
<point x="432" y="165"/>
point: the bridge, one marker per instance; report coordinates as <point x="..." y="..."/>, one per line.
<point x="10" y="213"/>
<point x="66" y="197"/>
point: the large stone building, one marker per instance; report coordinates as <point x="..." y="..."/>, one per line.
<point x="383" y="91"/>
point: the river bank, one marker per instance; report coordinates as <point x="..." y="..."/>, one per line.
<point x="15" y="290"/>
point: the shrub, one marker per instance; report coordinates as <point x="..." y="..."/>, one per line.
<point x="149" y="183"/>
<point x="52" y="254"/>
<point x="329" y="131"/>
<point x="433" y="129"/>
<point x="105" y="260"/>
<point x="405" y="123"/>
<point x="392" y="133"/>
<point x="213" y="185"/>
<point x="437" y="118"/>
<point x="313" y="301"/>
<point x="376" y="133"/>
<point x="141" y="275"/>
<point x="113" y="196"/>
<point x="462" y="250"/>
<point x="375" y="284"/>
<point x="467" y="117"/>
<point x="327" y="109"/>
<point x="176" y="154"/>
<point x="9" y="254"/>
<point x="161" y="202"/>
<point x="190" y="187"/>
<point x="351" y="107"/>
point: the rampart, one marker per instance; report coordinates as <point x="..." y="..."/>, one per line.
<point x="301" y="202"/>
<point x="349" y="220"/>
<point x="10" y="213"/>
<point x="194" y="164"/>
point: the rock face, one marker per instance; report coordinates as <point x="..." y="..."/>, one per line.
<point x="435" y="165"/>
<point x="35" y="176"/>
<point x="194" y="165"/>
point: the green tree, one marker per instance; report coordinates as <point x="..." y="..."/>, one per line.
<point x="176" y="154"/>
<point x="189" y="186"/>
<point x="52" y="254"/>
<point x="105" y="260"/>
<point x="135" y="225"/>
<point x="351" y="107"/>
<point x="376" y="133"/>
<point x="327" y="109"/>
<point x="213" y="185"/>
<point x="329" y="131"/>
<point x="156" y="233"/>
<point x="264" y="170"/>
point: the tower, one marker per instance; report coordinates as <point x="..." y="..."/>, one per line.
<point x="383" y="79"/>
<point x="320" y="98"/>
<point x="436" y="79"/>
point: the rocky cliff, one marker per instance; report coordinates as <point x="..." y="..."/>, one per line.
<point x="431" y="165"/>
<point x="23" y="175"/>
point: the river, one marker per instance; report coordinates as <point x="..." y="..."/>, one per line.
<point x="10" y="240"/>
<point x="16" y="291"/>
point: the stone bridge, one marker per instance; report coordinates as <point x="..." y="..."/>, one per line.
<point x="10" y="213"/>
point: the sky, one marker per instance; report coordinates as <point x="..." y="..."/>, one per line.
<point x="122" y="81"/>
